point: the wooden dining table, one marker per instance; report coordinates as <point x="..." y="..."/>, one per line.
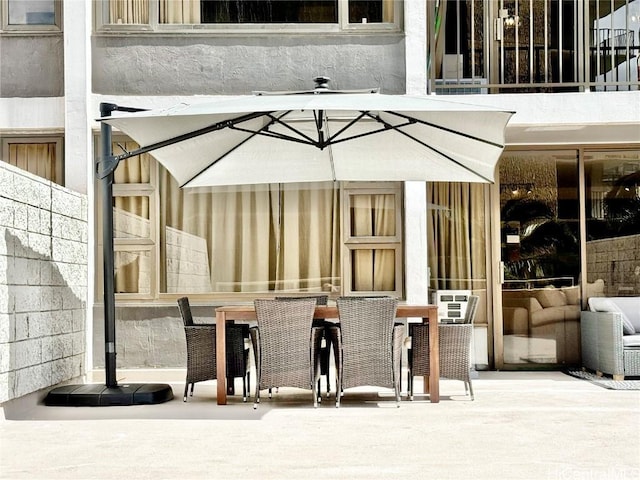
<point x="246" y="313"/>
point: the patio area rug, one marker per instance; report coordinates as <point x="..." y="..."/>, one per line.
<point x="605" y="382"/>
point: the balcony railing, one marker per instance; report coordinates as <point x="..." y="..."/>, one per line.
<point x="521" y="46"/>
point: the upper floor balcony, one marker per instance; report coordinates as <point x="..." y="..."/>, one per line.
<point x="523" y="46"/>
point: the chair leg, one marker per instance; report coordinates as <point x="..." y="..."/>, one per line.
<point x="248" y="384"/>
<point x="328" y="385"/>
<point x="410" y="381"/>
<point x="244" y="388"/>
<point x="186" y="390"/>
<point x="192" y="387"/>
<point x="471" y="390"/>
<point x="316" y="392"/>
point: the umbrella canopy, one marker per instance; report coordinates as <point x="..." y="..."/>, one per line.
<point x="321" y="135"/>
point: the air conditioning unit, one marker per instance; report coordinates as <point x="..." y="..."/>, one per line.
<point x="452" y="305"/>
<point x="473" y="86"/>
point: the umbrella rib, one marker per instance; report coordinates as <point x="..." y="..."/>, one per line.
<point x="332" y="139"/>
<point x="424" y="144"/>
<point x="187" y="136"/>
<point x="234" y="127"/>
<point x="298" y="132"/>
<point x="446" y="129"/>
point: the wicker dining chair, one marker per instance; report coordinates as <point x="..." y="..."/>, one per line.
<point x="201" y="351"/>
<point x="286" y="345"/>
<point x="369" y="344"/>
<point x="325" y="349"/>
<point x="455" y="342"/>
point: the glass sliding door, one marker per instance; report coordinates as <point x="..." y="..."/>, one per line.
<point x="540" y="255"/>
<point x="612" y="183"/>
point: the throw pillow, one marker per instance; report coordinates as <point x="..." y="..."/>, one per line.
<point x="551" y="297"/>
<point x="572" y="294"/>
<point x="600" y="304"/>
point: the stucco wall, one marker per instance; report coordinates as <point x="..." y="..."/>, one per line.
<point x="215" y="65"/>
<point x="147" y="336"/>
<point x="43" y="283"/>
<point x="34" y="66"/>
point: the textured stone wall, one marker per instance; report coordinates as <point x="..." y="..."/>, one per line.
<point x="43" y="283"/>
<point x="617" y="262"/>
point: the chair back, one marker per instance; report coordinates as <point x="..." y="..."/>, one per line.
<point x="284" y="328"/>
<point x="320" y="299"/>
<point x="366" y="330"/>
<point x="472" y="307"/>
<point x="185" y="311"/>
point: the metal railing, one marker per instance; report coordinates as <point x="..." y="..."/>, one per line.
<point x="521" y="46"/>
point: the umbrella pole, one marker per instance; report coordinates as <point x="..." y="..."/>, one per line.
<point x="108" y="253"/>
<point x="111" y="393"/>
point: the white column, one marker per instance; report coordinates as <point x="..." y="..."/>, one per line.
<point x="415" y="248"/>
<point x="77" y="83"/>
<point x="415" y="27"/>
<point x="78" y="155"/>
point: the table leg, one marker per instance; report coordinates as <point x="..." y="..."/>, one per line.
<point x="434" y="361"/>
<point x="221" y="357"/>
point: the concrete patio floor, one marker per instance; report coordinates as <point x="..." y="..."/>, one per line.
<point x="522" y="425"/>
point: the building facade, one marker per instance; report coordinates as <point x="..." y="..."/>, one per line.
<point x="559" y="224"/>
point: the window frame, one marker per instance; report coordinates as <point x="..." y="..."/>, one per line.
<point x="352" y="243"/>
<point x="101" y="15"/>
<point x="31" y="28"/>
<point x="132" y="245"/>
<point x="58" y="179"/>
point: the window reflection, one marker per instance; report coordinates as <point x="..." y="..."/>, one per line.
<point x="612" y="182"/>
<point x="32" y="12"/>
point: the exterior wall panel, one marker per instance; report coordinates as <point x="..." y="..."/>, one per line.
<point x="32" y="66"/>
<point x="184" y="65"/>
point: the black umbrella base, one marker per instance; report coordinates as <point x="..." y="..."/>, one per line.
<point x="96" y="395"/>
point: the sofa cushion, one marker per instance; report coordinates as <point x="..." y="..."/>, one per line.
<point x="551" y="297"/>
<point x="602" y="304"/>
<point x="572" y="294"/>
<point x="629" y="341"/>
<point x="630" y="306"/>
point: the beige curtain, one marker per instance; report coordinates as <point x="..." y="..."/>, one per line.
<point x="258" y="238"/>
<point x="373" y="269"/>
<point x="180" y="11"/>
<point x="387" y="10"/>
<point x="129" y="11"/>
<point x="456" y="234"/>
<point x="36" y="158"/>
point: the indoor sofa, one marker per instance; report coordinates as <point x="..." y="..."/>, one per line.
<point x="610" y="333"/>
<point x="546" y="313"/>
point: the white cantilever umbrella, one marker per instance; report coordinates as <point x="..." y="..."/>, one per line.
<point x="321" y="135"/>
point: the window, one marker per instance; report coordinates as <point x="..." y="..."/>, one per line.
<point x="134" y="232"/>
<point x="250" y="239"/>
<point x="254" y="238"/>
<point x="40" y="156"/>
<point x="612" y="184"/>
<point x="170" y="14"/>
<point x="373" y="239"/>
<point x="31" y="15"/>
